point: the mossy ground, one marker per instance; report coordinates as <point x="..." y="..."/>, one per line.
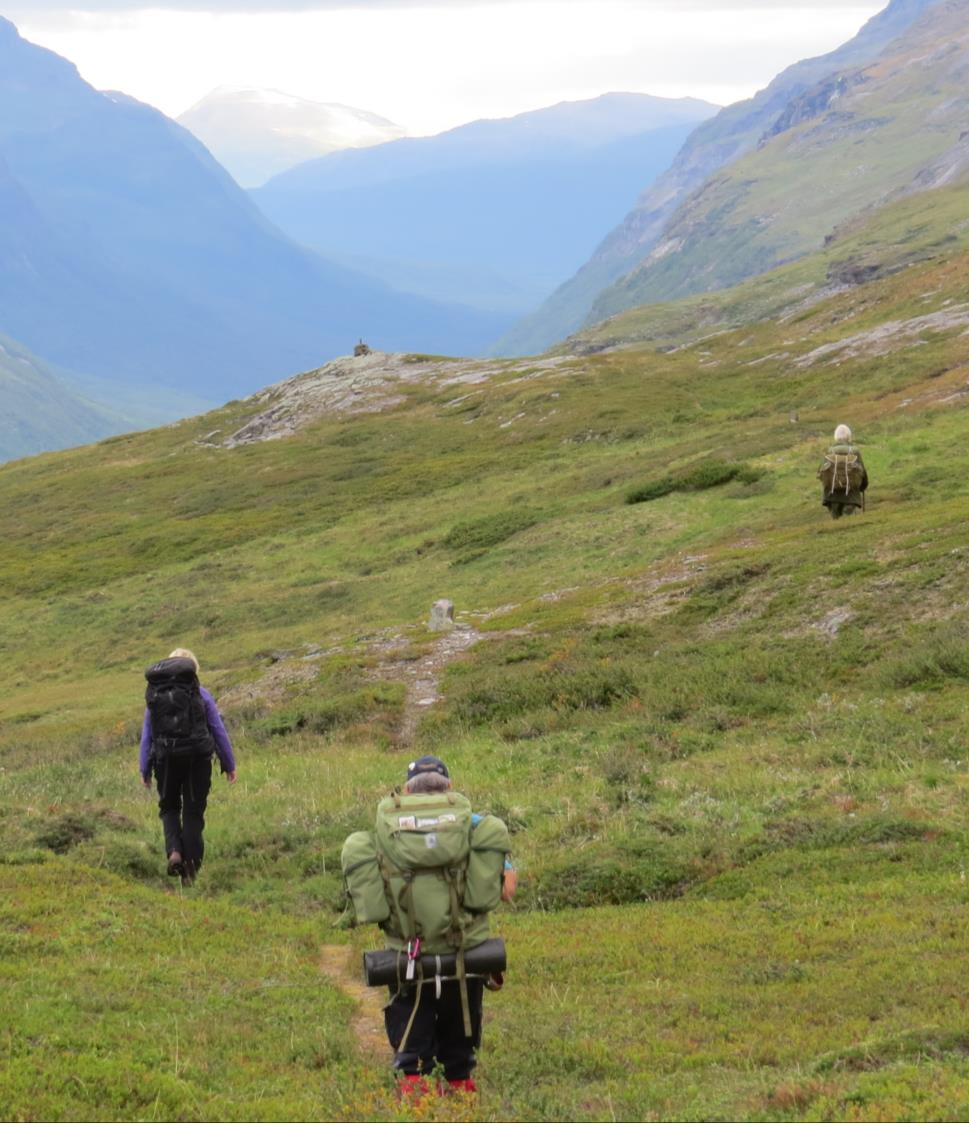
<point x="728" y="734"/>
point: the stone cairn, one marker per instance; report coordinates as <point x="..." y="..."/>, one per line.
<point x="442" y="616"/>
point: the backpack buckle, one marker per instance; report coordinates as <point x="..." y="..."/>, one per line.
<point x="413" y="954"/>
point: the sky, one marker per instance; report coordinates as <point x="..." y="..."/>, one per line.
<point x="432" y="64"/>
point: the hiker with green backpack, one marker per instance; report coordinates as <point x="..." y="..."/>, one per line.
<point x="843" y="476"/>
<point x="429" y="874"/>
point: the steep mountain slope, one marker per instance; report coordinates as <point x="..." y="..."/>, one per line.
<point x="494" y="213"/>
<point x="43" y="411"/>
<point x="256" y="134"/>
<point x="133" y="256"/>
<point x="714" y="145"/>
<point x="850" y="143"/>
<point x="728" y="733"/>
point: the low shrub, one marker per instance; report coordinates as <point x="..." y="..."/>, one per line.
<point x="470" y="539"/>
<point x="700" y="477"/>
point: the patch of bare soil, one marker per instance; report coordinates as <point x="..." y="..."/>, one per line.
<point x="337" y="962"/>
<point x="657" y="593"/>
<point x="273" y="686"/>
<point x="420" y="675"/>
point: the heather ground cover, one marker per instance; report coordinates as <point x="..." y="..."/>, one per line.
<point x="728" y="733"/>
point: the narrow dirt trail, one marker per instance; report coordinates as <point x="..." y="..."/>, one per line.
<point x="338" y="963"/>
<point x="420" y="676"/>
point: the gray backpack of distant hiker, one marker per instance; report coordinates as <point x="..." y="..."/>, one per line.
<point x="179" y="726"/>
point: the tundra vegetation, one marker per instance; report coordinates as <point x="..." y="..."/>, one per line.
<point x="727" y="733"/>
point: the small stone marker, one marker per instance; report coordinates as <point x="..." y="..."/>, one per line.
<point x="442" y="616"/>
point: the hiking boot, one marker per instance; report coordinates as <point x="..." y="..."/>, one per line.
<point x="176" y="867"/>
<point x="189" y="872"/>
<point x="465" y="1087"/>
<point x="412" y="1088"/>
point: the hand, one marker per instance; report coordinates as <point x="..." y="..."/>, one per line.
<point x="147" y="782"/>
<point x="231" y="777"/>
<point x="509" y="883"/>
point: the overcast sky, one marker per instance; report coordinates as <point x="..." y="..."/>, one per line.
<point x="433" y="64"/>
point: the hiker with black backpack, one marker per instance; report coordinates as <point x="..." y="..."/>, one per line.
<point x="430" y="874"/>
<point x="843" y="476"/>
<point x="181" y="731"/>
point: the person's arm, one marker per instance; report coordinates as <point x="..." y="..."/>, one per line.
<point x="144" y="752"/>
<point x="223" y="746"/>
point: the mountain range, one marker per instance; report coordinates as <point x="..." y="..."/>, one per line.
<point x="734" y="132"/>
<point x="256" y="134"/>
<point x="41" y="410"/>
<point x="129" y="254"/>
<point x="493" y="214"/>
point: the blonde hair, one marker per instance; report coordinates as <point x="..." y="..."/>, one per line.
<point x="184" y="653"/>
<point x="842" y="433"/>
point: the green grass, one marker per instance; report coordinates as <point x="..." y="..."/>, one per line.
<point x="727" y="733"/>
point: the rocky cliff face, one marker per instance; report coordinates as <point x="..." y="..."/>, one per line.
<point x="714" y="145"/>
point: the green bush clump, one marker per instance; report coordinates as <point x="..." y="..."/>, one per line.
<point x="620" y="874"/>
<point x="68" y="831"/>
<point x="701" y="477"/>
<point x="323" y="715"/>
<point x="937" y="659"/>
<point x="506" y="692"/>
<point x="75" y="827"/>
<point x="470" y="539"/>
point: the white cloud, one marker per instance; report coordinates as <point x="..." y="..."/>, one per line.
<point x="433" y="64"/>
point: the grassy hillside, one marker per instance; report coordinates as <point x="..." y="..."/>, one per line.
<point x="728" y="733"/>
<point x="41" y="411"/>
<point x="852" y="143"/>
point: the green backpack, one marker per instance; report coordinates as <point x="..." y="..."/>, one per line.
<point x="426" y="872"/>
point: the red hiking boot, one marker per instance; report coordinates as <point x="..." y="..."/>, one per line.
<point x="466" y="1087"/>
<point x="412" y="1088"/>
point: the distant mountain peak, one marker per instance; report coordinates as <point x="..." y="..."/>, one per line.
<point x="257" y="133"/>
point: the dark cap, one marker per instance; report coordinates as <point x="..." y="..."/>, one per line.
<point x="427" y="764"/>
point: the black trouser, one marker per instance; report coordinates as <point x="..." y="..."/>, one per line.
<point x="183" y="789"/>
<point x="437" y="1033"/>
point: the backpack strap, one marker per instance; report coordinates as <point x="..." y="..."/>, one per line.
<point x="417" y="1001"/>
<point x="407" y="900"/>
<point x="457" y="937"/>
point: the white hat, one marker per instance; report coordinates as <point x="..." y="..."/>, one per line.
<point x="842" y="433"/>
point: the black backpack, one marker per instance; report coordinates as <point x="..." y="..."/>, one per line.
<point x="174" y="699"/>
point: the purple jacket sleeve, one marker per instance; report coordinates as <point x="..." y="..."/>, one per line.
<point x="145" y="744"/>
<point x="223" y="746"/>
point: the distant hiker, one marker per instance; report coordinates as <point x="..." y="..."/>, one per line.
<point x="843" y="477"/>
<point x="430" y="874"/>
<point x="361" y="349"/>
<point x="181" y="731"/>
